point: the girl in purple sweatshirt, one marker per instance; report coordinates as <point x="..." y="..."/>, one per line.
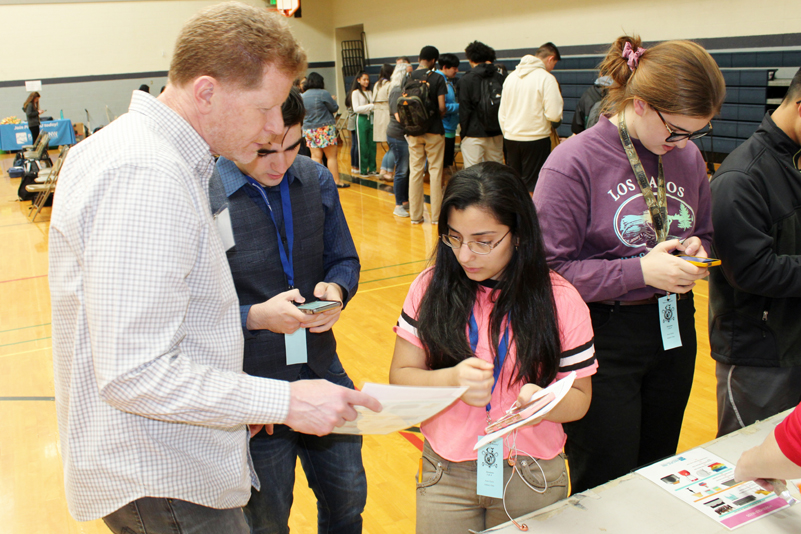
<point x="613" y="220"/>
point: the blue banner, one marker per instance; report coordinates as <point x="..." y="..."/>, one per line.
<point x="15" y="136"/>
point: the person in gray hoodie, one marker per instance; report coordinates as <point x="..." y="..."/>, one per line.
<point x="530" y="102"/>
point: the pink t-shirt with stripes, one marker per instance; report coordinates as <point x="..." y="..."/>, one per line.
<point x="453" y="432"/>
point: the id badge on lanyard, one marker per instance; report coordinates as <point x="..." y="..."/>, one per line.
<point x="657" y="208"/>
<point x="295" y="344"/>
<point x="489" y="462"/>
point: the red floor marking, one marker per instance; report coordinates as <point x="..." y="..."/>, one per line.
<point x="413" y="439"/>
<point x="19" y="279"/>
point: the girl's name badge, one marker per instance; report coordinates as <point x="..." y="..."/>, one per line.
<point x="489" y="472"/>
<point x="669" y="322"/>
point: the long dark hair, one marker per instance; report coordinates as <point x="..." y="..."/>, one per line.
<point x="31" y="98"/>
<point x="524" y="293"/>
<point x="355" y="86"/>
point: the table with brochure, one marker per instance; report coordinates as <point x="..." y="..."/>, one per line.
<point x="692" y="492"/>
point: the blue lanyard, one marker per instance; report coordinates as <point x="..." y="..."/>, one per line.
<point x="289" y="228"/>
<point x="503" y="348"/>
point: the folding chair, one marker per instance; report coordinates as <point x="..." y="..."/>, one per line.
<point x="46" y="183"/>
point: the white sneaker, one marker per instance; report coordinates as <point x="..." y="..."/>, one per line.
<point x="418" y="222"/>
<point x="400" y="212"/>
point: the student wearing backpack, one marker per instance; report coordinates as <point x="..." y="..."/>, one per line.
<point x="420" y="110"/>
<point x="479" y="100"/>
<point x="531" y="102"/>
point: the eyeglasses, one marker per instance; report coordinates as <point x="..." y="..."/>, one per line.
<point x="476" y="247"/>
<point x="674" y="136"/>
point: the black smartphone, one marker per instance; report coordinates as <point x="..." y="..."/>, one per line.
<point x="318" y="306"/>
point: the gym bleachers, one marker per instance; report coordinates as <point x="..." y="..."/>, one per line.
<point x="751" y="91"/>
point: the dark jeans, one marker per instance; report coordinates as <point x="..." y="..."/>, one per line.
<point x="638" y="394"/>
<point x="749" y="394"/>
<point x="34" y="133"/>
<point x="450" y="148"/>
<point x="527" y="158"/>
<point x="354" y="150"/>
<point x="150" y="515"/>
<point x="400" y="148"/>
<point x="333" y="467"/>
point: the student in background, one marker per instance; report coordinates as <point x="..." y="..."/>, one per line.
<point x="616" y="246"/>
<point x="396" y="140"/>
<point x="588" y="107"/>
<point x="430" y="145"/>
<point x="490" y="282"/>
<point x="531" y="103"/>
<point x="319" y="125"/>
<point x="381" y="119"/>
<point x="362" y="101"/>
<point x="480" y="132"/>
<point x="32" y="112"/>
<point x="448" y="67"/>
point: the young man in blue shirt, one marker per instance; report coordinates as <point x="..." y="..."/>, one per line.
<point x="292" y="245"/>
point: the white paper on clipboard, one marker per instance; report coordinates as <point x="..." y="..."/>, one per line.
<point x="558" y="388"/>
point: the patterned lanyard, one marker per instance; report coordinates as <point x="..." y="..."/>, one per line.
<point x="656" y="207"/>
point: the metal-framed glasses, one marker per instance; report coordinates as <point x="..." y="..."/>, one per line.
<point x="476" y="247"/>
<point x="678" y="136"/>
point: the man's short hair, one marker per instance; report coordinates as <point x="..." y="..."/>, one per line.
<point x="478" y="52"/>
<point x="448" y="61"/>
<point x="233" y="43"/>
<point x="292" y="110"/>
<point x="404" y="59"/>
<point x="794" y="91"/>
<point x="429" y="53"/>
<point x="547" y="50"/>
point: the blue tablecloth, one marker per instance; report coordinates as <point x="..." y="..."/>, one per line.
<point x="14" y="136"/>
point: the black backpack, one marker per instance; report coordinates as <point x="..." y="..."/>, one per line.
<point x="488" y="104"/>
<point x="414" y="106"/>
<point x="29" y="178"/>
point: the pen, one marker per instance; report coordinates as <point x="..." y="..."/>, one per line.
<point x="780" y="489"/>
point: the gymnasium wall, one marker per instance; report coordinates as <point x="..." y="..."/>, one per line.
<point x="91" y="55"/>
<point x="514" y="24"/>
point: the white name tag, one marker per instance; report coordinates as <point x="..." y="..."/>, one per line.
<point x="669" y="322"/>
<point x="224" y="227"/>
<point x="489" y="472"/>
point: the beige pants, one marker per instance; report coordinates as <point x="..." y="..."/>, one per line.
<point x="447" y="501"/>
<point x="477" y="150"/>
<point x="420" y="147"/>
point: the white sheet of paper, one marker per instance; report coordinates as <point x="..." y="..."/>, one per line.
<point x="559" y="390"/>
<point x="404" y="406"/>
<point x="223" y="222"/>
<point x="35" y="85"/>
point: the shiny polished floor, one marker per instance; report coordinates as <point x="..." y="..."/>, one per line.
<point x="392" y="252"/>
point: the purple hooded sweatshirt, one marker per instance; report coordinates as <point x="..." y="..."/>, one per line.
<point x="594" y="220"/>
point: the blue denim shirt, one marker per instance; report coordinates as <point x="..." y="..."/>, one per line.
<point x="320" y="108"/>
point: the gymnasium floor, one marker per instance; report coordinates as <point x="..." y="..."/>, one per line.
<point x="392" y="252"/>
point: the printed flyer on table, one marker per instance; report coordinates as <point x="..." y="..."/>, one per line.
<point x="706" y="482"/>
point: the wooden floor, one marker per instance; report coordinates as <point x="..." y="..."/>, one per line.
<point x="392" y="252"/>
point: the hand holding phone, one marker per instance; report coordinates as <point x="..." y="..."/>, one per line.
<point x="318" y="306"/>
<point x="700" y="262"/>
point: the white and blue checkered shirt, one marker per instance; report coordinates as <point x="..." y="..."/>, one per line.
<point x="147" y="339"/>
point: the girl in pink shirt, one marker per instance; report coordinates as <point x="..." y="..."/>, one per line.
<point x="490" y="316"/>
